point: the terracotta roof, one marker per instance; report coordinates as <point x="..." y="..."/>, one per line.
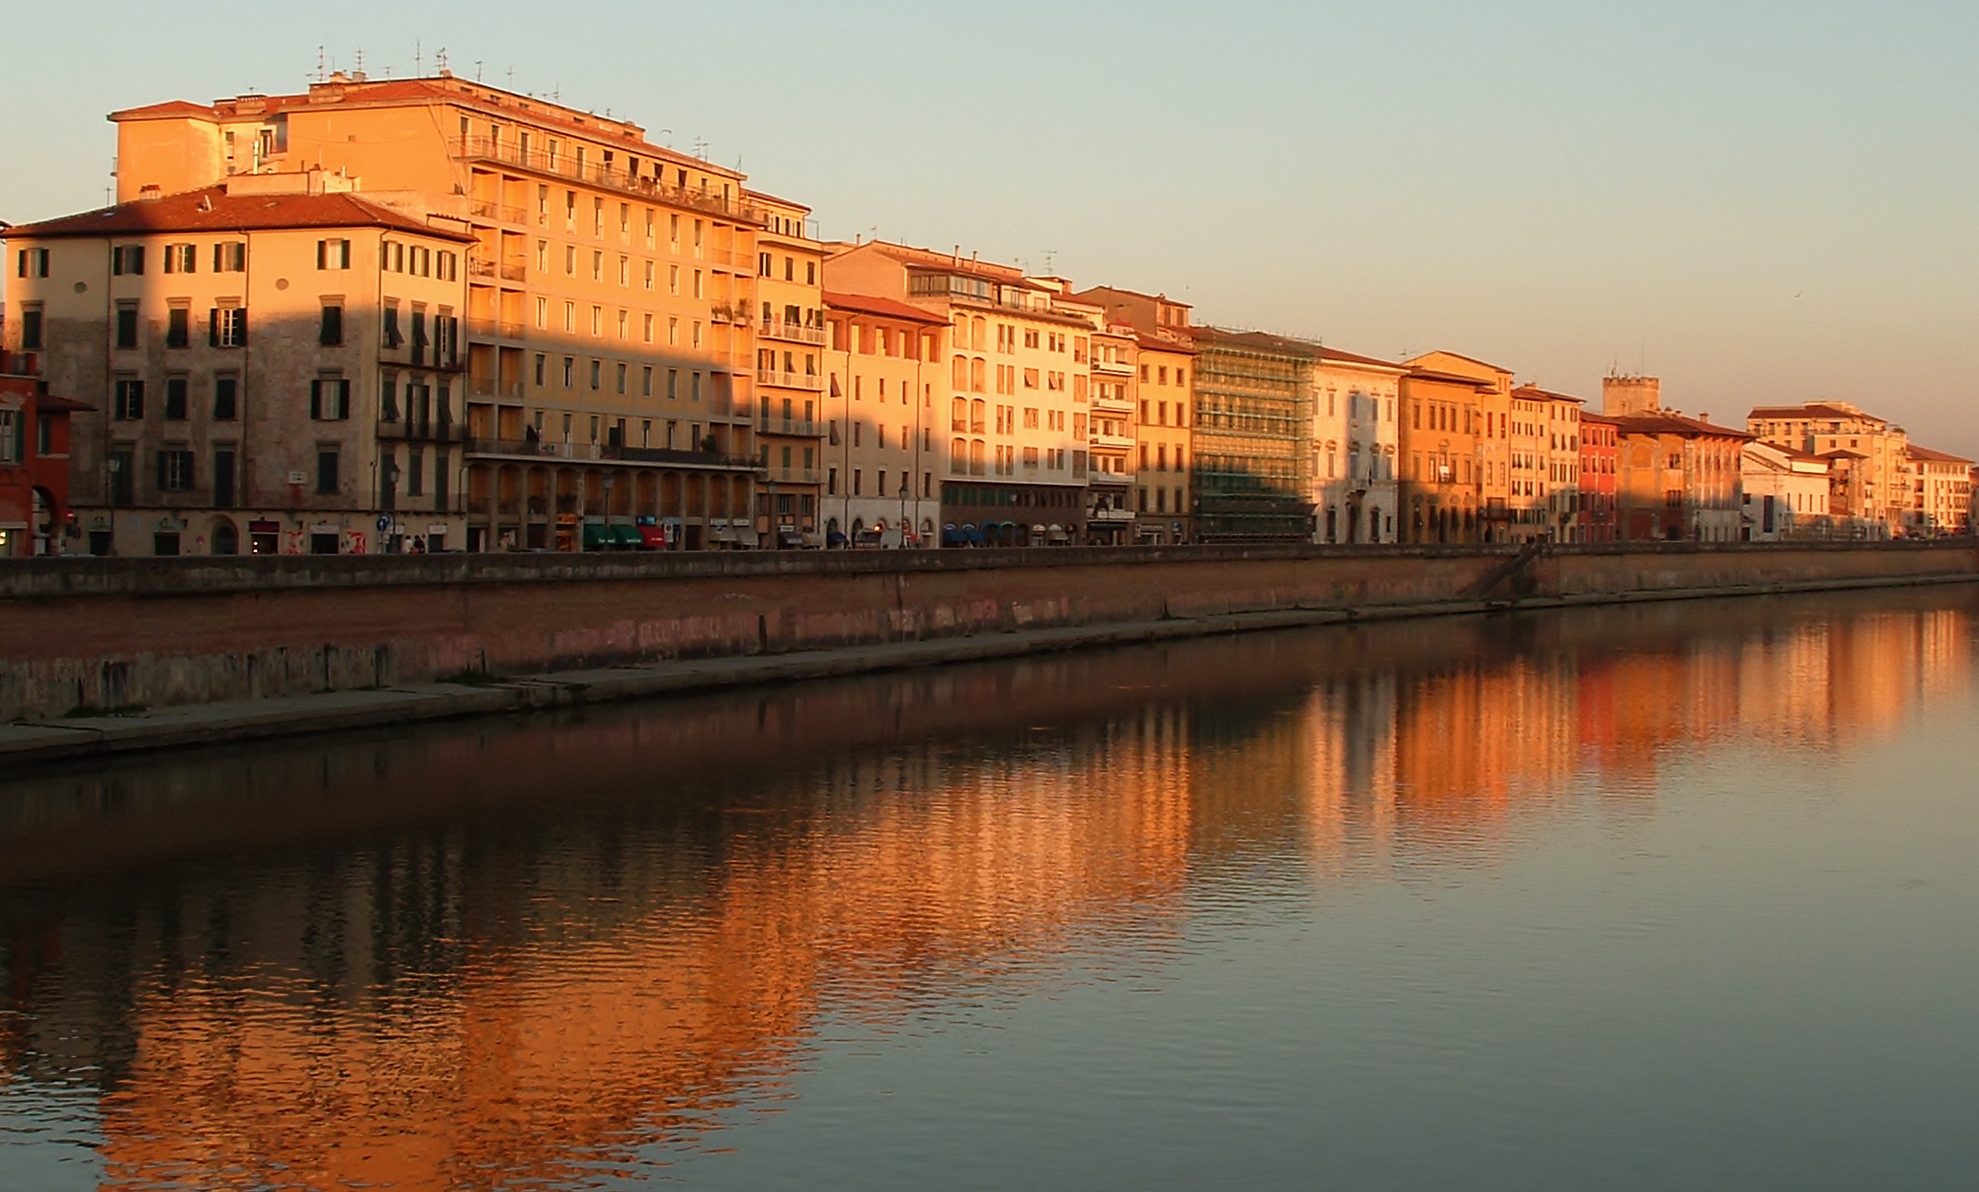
<point x="927" y="258"/>
<point x="214" y="210"/>
<point x="1532" y="392"/>
<point x="1326" y="354"/>
<point x="1936" y="457"/>
<point x="1814" y="409"/>
<point x="1603" y="419"/>
<point x="886" y="307"/>
<point x="48" y="403"/>
<point x="1841" y="453"/>
<point x="1430" y="374"/>
<point x="1474" y="360"/>
<point x="160" y="111"/>
<point x="1262" y="341"/>
<point x="1167" y="339"/>
<point x="752" y="192"/>
<point x="1674" y="424"/>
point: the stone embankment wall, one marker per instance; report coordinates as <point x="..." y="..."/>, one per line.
<point x="117" y="633"/>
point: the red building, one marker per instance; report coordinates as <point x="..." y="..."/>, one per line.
<point x="34" y="461"/>
<point x="1596" y="517"/>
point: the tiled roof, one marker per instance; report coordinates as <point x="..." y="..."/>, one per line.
<point x="214" y="210"/>
<point x="1674" y="424"/>
<point x="1474" y="360"/>
<point x="1813" y="410"/>
<point x="1430" y="374"/>
<point x="1535" y="393"/>
<point x="885" y="307"/>
<point x="1258" y="341"/>
<point x="1936" y="457"/>
<point x="1328" y="354"/>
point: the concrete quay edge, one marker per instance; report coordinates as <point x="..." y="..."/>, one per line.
<point x="194" y="725"/>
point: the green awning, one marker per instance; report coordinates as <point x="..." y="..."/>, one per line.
<point x="628" y="536"/>
<point x="597" y="537"/>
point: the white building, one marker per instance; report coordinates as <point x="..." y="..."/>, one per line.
<point x="1785" y="493"/>
<point x="1353" y="447"/>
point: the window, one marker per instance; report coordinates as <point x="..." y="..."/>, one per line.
<point x="330" y="333"/>
<point x="122" y="464"/>
<point x="33" y="262"/>
<point x="542" y="363"/>
<point x="31" y="327"/>
<point x="326" y="470"/>
<point x="178" y="327"/>
<point x="329" y="399"/>
<point x="127" y="259"/>
<point x="180" y="258"/>
<point x="763" y="264"/>
<point x="174" y="470"/>
<point x="597" y="373"/>
<point x="569" y="364"/>
<point x="175" y="397"/>
<point x="128" y="403"/>
<point x="227" y="327"/>
<point x="230" y="257"/>
<point x="392" y="336"/>
<point x="330" y="254"/>
<point x="446" y="266"/>
<point x="127" y="324"/>
<point x="10" y="435"/>
<point x="226" y="398"/>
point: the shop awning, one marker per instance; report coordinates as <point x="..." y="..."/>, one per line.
<point x="653" y="537"/>
<point x="627" y="536"/>
<point x="597" y="537"/>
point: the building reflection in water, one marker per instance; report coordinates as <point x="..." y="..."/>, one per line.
<point x="523" y="952"/>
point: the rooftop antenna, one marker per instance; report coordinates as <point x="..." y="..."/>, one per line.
<point x="701" y="148"/>
<point x="511" y="78"/>
<point x="418" y="60"/>
<point x="668" y="134"/>
<point x="1049" y="253"/>
<point x="477" y="70"/>
<point x="321" y="74"/>
<point x="440" y="59"/>
<point x="359" y="66"/>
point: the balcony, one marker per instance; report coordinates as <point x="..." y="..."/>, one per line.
<point x="427" y="432"/>
<point x="20" y="364"/>
<point x="483" y="267"/>
<point x="802" y="428"/>
<point x="793" y="332"/>
<point x="543" y="449"/>
<point x="1098" y="478"/>
<point x="1113" y="405"/>
<point x="487" y="209"/>
<point x="594" y="173"/>
<point x="1116" y="442"/>
<point x="1113" y="368"/>
<point x="789" y="380"/>
<point x="1108" y="514"/>
<point x="483" y="387"/>
<point x="494" y="329"/>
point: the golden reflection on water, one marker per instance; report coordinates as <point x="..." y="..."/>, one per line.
<point x="525" y="953"/>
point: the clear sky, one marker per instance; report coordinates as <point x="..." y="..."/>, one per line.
<point x="1759" y="202"/>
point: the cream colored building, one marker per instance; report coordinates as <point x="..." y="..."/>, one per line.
<point x="1942" y="484"/>
<point x="884" y="366"/>
<point x="1163" y="400"/>
<point x="1880" y="491"/>
<point x="1784" y="493"/>
<point x="274" y="365"/>
<point x="1544" y="449"/>
<point x="1013" y="469"/>
<point x="1356" y="438"/>
<point x="1112" y="419"/>
<point x="612" y="291"/>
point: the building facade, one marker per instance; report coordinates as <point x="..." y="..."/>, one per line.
<point x="1595" y="519"/>
<point x="609" y="347"/>
<point x="1942" y="484"/>
<point x="1677" y="479"/>
<point x="1252" y="439"/>
<point x="884" y="362"/>
<point x="1875" y="484"/>
<point x="34" y="462"/>
<point x="1442" y="483"/>
<point x="1783" y="494"/>
<point x="1355" y="445"/>
<point x="274" y="364"/>
<point x="1545" y="465"/>
<point x="1492" y="436"/>
<point x="1162" y="394"/>
<point x="1013" y="469"/>
<point x="790" y="372"/>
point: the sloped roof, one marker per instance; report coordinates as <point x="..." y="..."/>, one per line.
<point x="1936" y="457"/>
<point x="885" y="307"/>
<point x="1530" y="392"/>
<point x="1329" y="354"/>
<point x="1257" y="341"/>
<point x="212" y="209"/>
<point x="1814" y="409"/>
<point x="1666" y="423"/>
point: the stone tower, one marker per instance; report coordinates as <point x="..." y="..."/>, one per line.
<point x="1623" y="395"/>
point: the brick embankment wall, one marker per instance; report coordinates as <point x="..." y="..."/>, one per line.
<point x="113" y="633"/>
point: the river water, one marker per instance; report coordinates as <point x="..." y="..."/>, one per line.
<point x="1680" y="896"/>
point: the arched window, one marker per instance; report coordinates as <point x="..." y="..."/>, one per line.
<point x="977" y="370"/>
<point x="958" y="414"/>
<point x="959" y="373"/>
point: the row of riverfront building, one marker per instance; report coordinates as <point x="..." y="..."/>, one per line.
<point x="432" y="314"/>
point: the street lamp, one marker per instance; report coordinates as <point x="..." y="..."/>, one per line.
<point x="904" y="477"/>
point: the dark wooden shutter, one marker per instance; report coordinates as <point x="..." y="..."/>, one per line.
<point x="213" y="325"/>
<point x="316" y="398"/>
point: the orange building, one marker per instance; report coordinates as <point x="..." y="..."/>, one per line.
<point x="34" y="461"/>
<point x="1677" y="479"/>
<point x="1596" y="496"/>
<point x="1442" y="428"/>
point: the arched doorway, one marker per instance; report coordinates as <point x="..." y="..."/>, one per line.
<point x="224" y="538"/>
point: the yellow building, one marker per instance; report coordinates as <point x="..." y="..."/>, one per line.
<point x="1491" y="434"/>
<point x="790" y="374"/>
<point x="883" y="363"/>
<point x="1162" y="398"/>
<point x="1442" y="425"/>
<point x="1544" y="447"/>
<point x="274" y="365"/>
<point x="1015" y="466"/>
<point x="612" y="305"/>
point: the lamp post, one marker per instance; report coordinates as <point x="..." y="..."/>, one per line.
<point x="609" y="478"/>
<point x="904" y="478"/>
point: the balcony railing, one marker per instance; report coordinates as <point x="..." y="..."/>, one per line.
<point x="493" y="329"/>
<point x="423" y="432"/>
<point x="564" y="165"/>
<point x="801" y="427"/>
<point x="1117" y="442"/>
<point x="20" y="364"/>
<point x="796" y="333"/>
<point x="487" y="209"/>
<point x="1113" y="368"/>
<point x="608" y="453"/>
<point x="482" y="267"/>
<point x="483" y="387"/>
<point x="789" y="380"/>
